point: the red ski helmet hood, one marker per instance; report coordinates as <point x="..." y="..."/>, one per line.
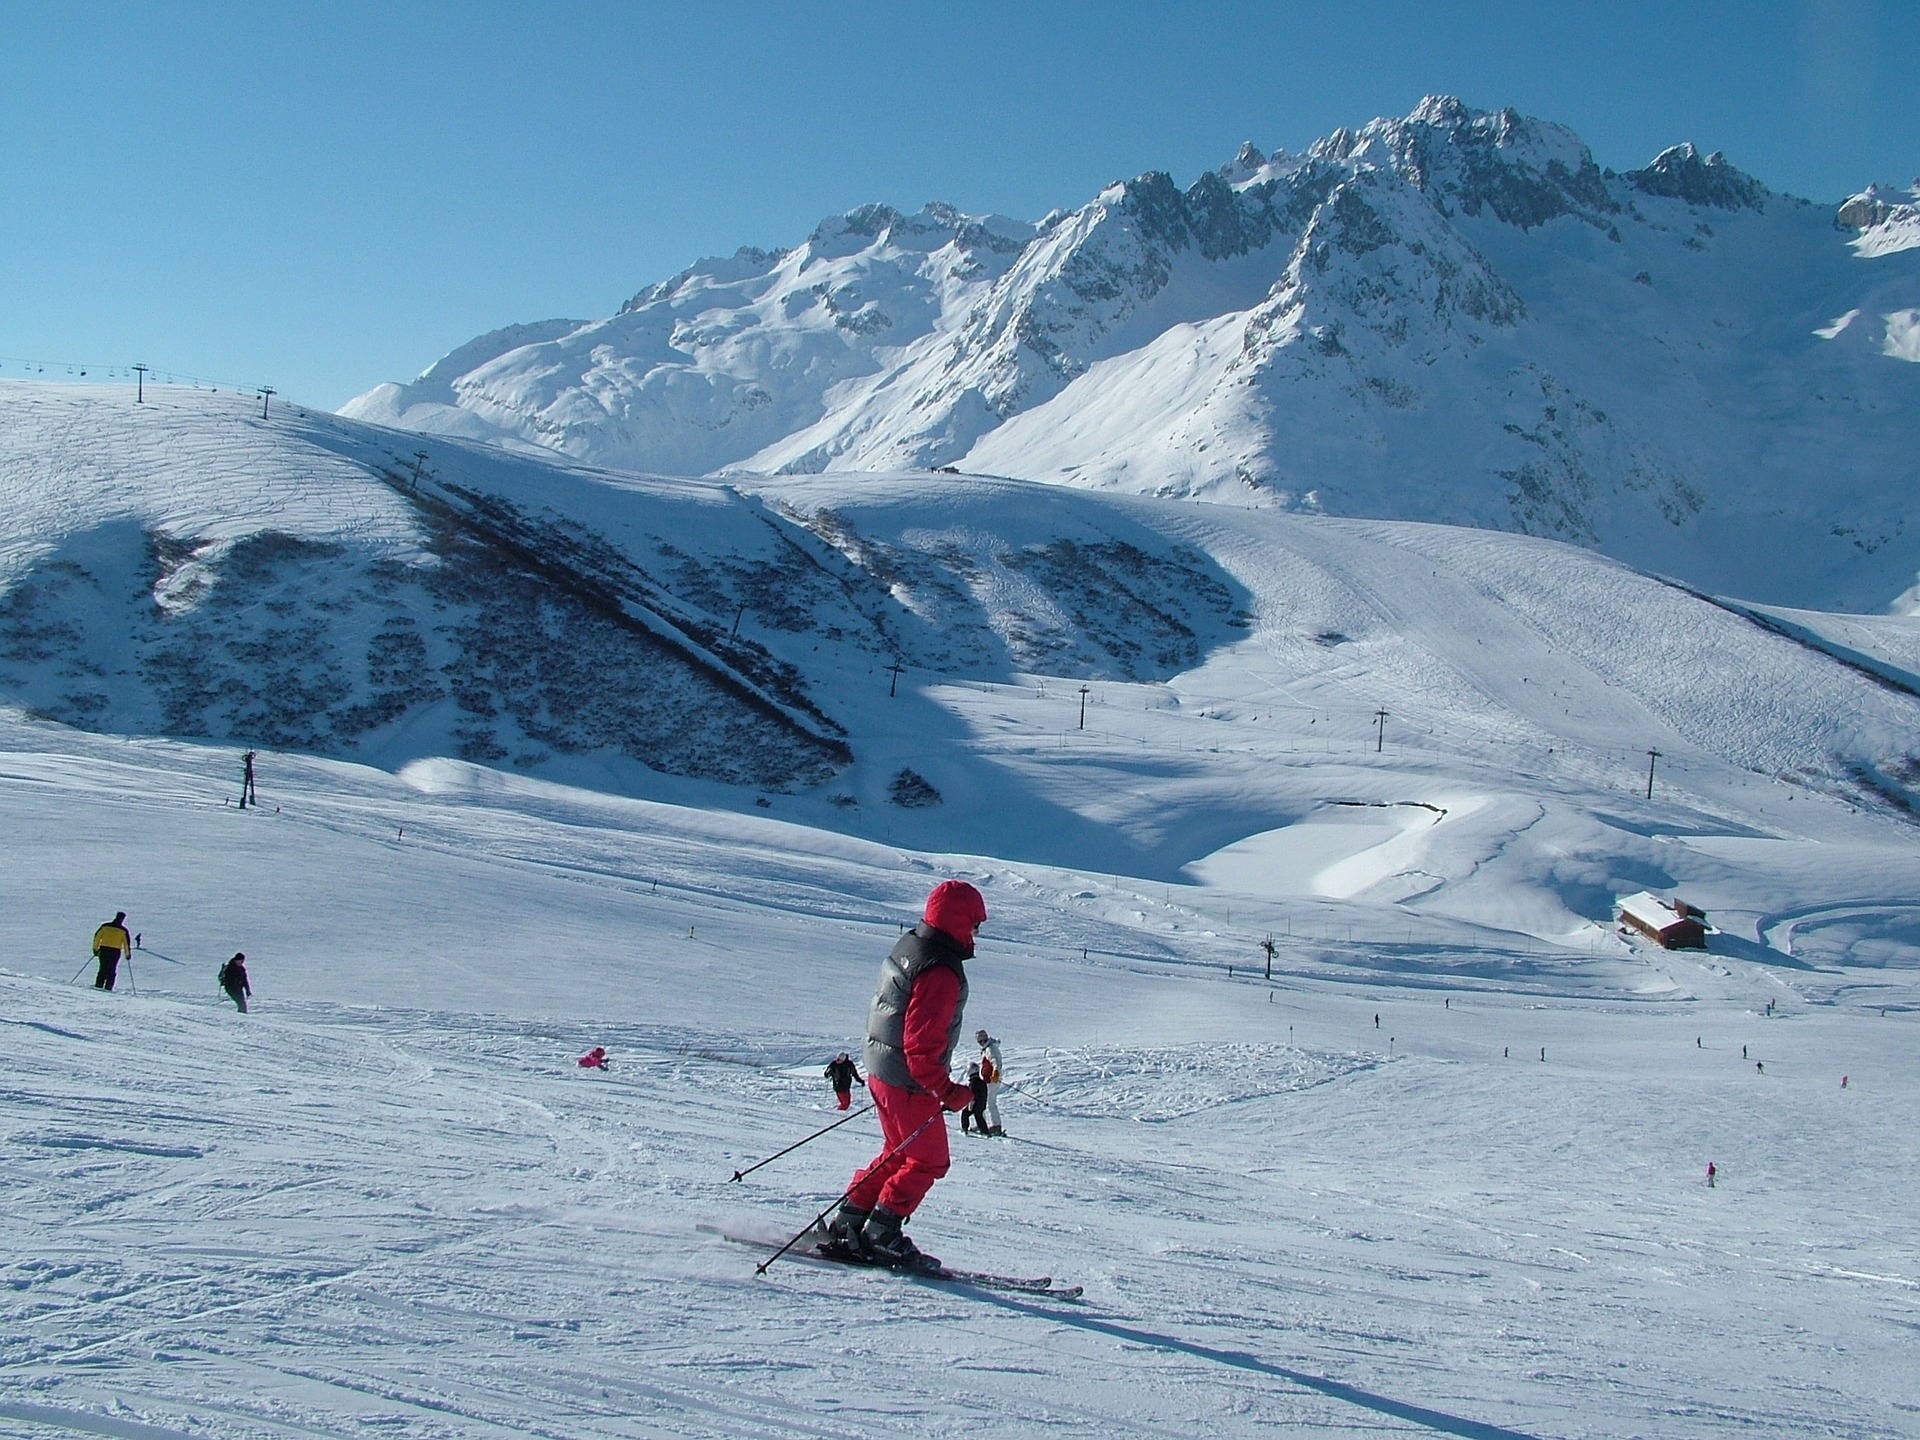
<point x="956" y="907"/>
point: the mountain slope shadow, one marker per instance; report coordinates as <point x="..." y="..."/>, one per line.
<point x="332" y="647"/>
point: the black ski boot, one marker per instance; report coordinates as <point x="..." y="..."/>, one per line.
<point x="886" y="1242"/>
<point x="843" y="1230"/>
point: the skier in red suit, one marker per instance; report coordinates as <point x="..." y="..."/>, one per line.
<point x="911" y="1031"/>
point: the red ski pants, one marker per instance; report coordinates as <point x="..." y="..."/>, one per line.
<point x="905" y="1169"/>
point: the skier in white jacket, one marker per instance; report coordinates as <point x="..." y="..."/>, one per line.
<point x="990" y="1071"/>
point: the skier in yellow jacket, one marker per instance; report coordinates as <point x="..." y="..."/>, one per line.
<point x="110" y="942"/>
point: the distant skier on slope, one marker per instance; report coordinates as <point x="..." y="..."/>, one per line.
<point x="843" y="1075"/>
<point x="991" y="1072"/>
<point x="110" y="942"/>
<point x="977" y="1111"/>
<point x="594" y="1059"/>
<point x="911" y="1031"/>
<point x="233" y="980"/>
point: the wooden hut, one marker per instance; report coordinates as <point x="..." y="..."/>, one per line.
<point x="1675" y="924"/>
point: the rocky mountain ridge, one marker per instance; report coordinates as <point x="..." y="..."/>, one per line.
<point x="1454" y="316"/>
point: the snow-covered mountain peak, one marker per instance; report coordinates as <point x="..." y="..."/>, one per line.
<point x="1444" y="112"/>
<point x="1375" y="252"/>
<point x="1250" y="163"/>
<point x="852" y="232"/>
<point x="1247" y="160"/>
<point x="1452" y="315"/>
<point x="1441" y="123"/>
<point x="745" y="263"/>
<point x="1526" y="171"/>
<point x="1680" y="172"/>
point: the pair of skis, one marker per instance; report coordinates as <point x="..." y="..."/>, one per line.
<point x="840" y="1254"/>
<point x="826" y="1252"/>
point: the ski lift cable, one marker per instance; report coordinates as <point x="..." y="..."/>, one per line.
<point x="12" y="366"/>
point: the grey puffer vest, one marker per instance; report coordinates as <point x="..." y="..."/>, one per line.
<point x="919" y="950"/>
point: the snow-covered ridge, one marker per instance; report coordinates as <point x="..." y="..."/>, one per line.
<point x="185" y="567"/>
<point x="1455" y="315"/>
<point x="896" y="656"/>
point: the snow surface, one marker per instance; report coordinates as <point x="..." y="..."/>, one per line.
<point x="388" y="1198"/>
<point x="1443" y="1173"/>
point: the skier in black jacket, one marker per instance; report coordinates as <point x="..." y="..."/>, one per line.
<point x="843" y="1075"/>
<point x="978" y="1110"/>
<point x="233" y="980"/>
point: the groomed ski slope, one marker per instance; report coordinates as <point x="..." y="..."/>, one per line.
<point x="389" y="1202"/>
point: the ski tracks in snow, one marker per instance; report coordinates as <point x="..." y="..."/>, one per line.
<point x="325" y="1220"/>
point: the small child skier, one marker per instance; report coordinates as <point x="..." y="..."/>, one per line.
<point x="977" y="1111"/>
<point x="594" y="1059"/>
<point x="993" y="1073"/>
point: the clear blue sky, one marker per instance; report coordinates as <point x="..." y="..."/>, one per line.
<point x="322" y="196"/>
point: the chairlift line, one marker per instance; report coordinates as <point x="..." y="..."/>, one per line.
<point x="92" y="370"/>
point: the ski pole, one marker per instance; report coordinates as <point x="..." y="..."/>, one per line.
<point x="761" y="1268"/>
<point x="132" y="989"/>
<point x="798" y="1143"/>
<point x="83" y="967"/>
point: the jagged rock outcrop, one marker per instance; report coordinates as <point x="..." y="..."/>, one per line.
<point x="1884" y="226"/>
<point x="1682" y="173"/>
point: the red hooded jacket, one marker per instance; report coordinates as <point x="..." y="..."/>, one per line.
<point x="924" y="995"/>
<point x="956" y="909"/>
